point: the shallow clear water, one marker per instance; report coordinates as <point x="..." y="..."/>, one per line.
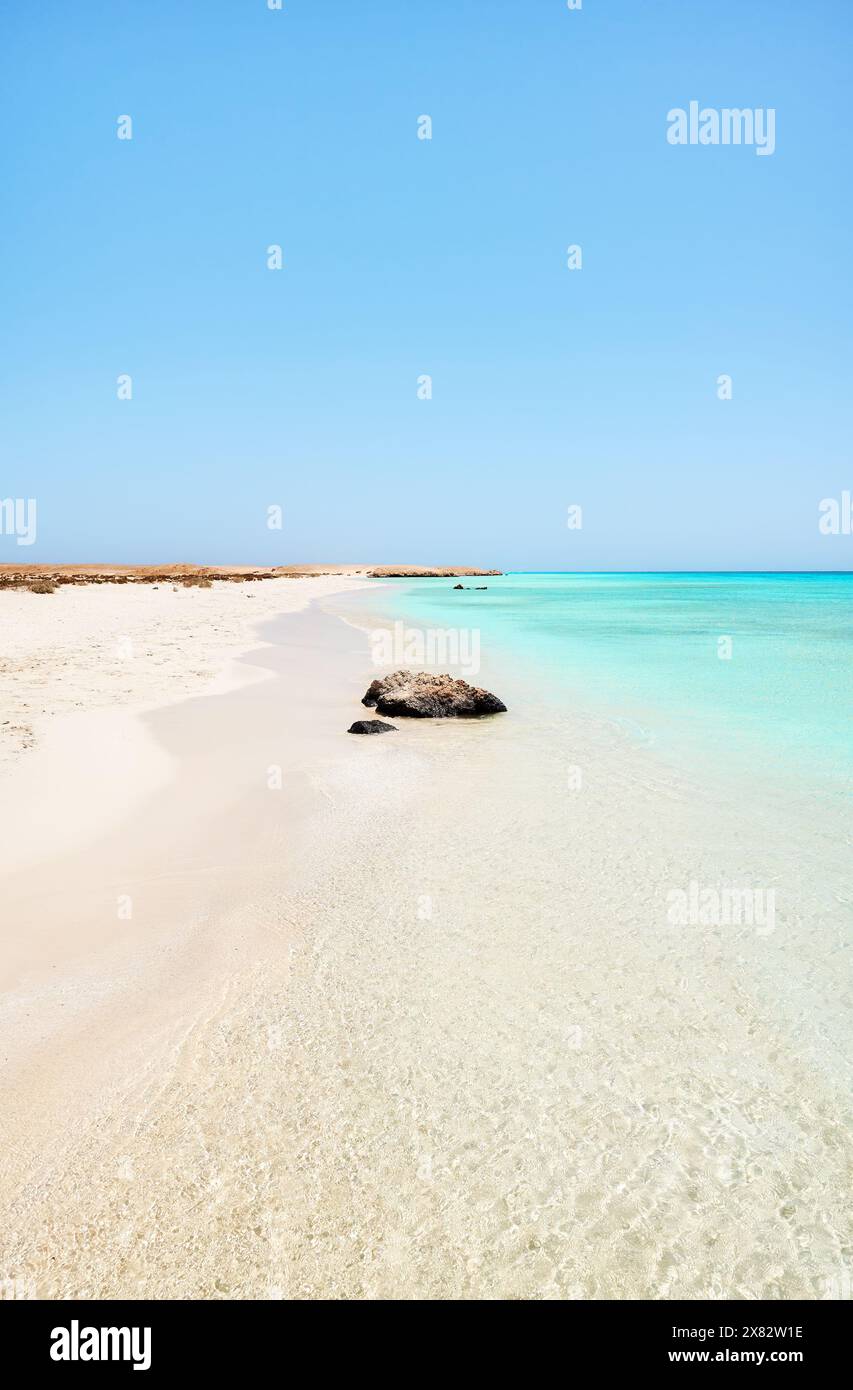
<point x="651" y="648"/>
<point x="616" y="1102"/>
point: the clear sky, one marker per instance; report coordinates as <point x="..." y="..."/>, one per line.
<point x="403" y="257"/>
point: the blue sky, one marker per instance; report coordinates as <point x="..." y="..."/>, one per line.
<point x="405" y="257"/>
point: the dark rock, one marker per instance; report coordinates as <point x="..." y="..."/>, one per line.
<point x="459" y="586"/>
<point x="420" y="695"/>
<point x="371" y="726"/>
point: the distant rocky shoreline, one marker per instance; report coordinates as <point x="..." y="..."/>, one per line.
<point x="49" y="577"/>
<point x="428" y="574"/>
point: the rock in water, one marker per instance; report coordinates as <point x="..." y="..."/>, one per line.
<point x="371" y="726"/>
<point x="420" y="695"/>
<point x="459" y="586"/>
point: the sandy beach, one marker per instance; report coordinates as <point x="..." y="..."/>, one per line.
<point x="102" y="794"/>
<point x="314" y="1016"/>
<point x="79" y="666"/>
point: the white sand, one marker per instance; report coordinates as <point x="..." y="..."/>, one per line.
<point x="87" y="647"/>
<point x="77" y="667"/>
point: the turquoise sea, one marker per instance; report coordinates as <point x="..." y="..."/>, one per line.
<point x="669" y="1089"/>
<point x="652" y="650"/>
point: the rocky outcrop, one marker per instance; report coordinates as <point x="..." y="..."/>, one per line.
<point x="417" y="572"/>
<point x="421" y="695"/>
<point x="371" y="726"/>
<point x="191" y="576"/>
